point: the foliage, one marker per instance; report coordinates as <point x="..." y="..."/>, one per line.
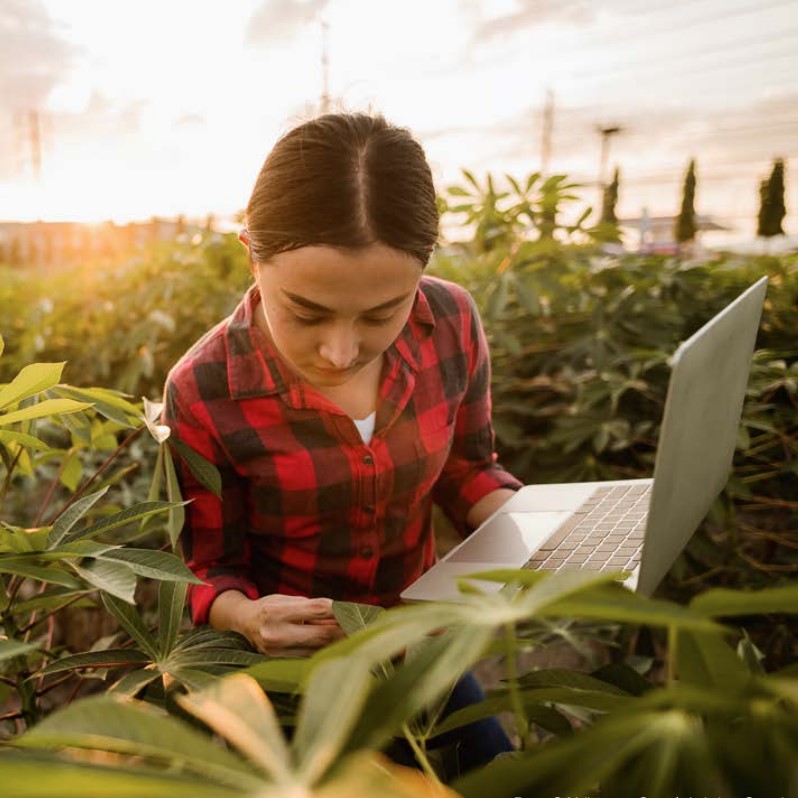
<point x="50" y="433"/>
<point x="580" y="343"/>
<point x="771" y="202"/>
<point x="685" y="229"/>
<point x="126" y="326"/>
<point x="719" y="723"/>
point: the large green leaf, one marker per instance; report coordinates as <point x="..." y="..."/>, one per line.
<point x="331" y="708"/>
<point x="237" y="709"/>
<point x="177" y="514"/>
<point x="131" y="622"/>
<point x="721" y="602"/>
<point x="108" y="724"/>
<point x="113" y="578"/>
<point x="30" y="570"/>
<point x="33" y="379"/>
<point x="171" y="603"/>
<point x="353" y="617"/>
<point x="131" y="684"/>
<point x="213" y="656"/>
<point x="27" y="441"/>
<point x="108" y="658"/>
<point x="14" y="648"/>
<point x="281" y="675"/>
<point x="126" y="516"/>
<point x="205" y="472"/>
<point x="161" y="565"/>
<point x="29" y="776"/>
<point x="113" y="408"/>
<point x="415" y="685"/>
<point x="71" y="516"/>
<point x="706" y="659"/>
<point x="49" y="407"/>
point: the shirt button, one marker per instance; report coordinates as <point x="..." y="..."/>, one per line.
<point x="368" y="460"/>
<point x="366" y="553"/>
<point x="369" y="509"/>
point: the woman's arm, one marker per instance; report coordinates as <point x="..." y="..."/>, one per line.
<point x="487" y="505"/>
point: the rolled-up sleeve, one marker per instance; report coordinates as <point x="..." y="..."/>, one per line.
<point x="472" y="470"/>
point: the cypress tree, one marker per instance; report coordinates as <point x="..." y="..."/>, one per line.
<point x="771" y="202"/>
<point x="685" y="229"/>
<point x="610" y="200"/>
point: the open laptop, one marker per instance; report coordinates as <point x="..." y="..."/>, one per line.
<point x="637" y="525"/>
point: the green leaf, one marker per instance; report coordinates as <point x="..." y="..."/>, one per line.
<point x="281" y="675"/>
<point x="108" y="724"/>
<point x="353" y="617"/>
<point x="131" y="684"/>
<point x="28" y="441"/>
<point x="29" y="570"/>
<point x="14" y="648"/>
<point x="171" y="601"/>
<point x="71" y="516"/>
<point x="707" y="660"/>
<point x="721" y="602"/>
<point x="113" y="408"/>
<point x="113" y="578"/>
<point x="72" y="471"/>
<point x="49" y="407"/>
<point x="213" y="656"/>
<point x="27" y="776"/>
<point x="237" y="709"/>
<point x="132" y="623"/>
<point x="177" y="514"/>
<point x="154" y="564"/>
<point x="127" y="516"/>
<point x="109" y="658"/>
<point x="206" y="473"/>
<point x="33" y="379"/>
<point x="331" y="708"/>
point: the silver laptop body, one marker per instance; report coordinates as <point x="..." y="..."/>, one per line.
<point x="628" y="525"/>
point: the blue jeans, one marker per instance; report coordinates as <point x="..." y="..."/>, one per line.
<point x="471" y="746"/>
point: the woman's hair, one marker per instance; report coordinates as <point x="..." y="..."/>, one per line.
<point x="344" y="180"/>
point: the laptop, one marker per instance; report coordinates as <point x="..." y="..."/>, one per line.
<point x="640" y="525"/>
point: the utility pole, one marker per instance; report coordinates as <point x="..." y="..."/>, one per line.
<point x="35" y="133"/>
<point x="325" y="69"/>
<point x="606" y="131"/>
<point x="548" y="126"/>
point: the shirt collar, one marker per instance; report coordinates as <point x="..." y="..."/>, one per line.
<point x="254" y="367"/>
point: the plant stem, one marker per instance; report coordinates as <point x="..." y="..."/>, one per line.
<point x="51" y="490"/>
<point x="512" y="680"/>
<point x="420" y="754"/>
<point x="29" y="711"/>
<point x="672" y="652"/>
<point x="7" y="480"/>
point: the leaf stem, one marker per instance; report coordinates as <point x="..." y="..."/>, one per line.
<point x="420" y="754"/>
<point x="521" y="721"/>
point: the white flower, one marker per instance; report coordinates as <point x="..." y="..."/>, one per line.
<point x="152" y="414"/>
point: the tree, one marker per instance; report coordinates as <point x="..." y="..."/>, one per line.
<point x="610" y="200"/>
<point x="771" y="207"/>
<point x="685" y="229"/>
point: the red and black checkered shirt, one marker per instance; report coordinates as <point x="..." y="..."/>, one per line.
<point x="307" y="508"/>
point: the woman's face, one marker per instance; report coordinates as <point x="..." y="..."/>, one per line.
<point x="330" y="312"/>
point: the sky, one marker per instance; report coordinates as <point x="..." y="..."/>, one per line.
<point x="167" y="107"/>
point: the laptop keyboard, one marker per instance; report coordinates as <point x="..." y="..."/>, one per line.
<point x="605" y="533"/>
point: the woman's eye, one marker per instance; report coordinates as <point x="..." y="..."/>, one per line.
<point x="376" y="321"/>
<point x="308" y="320"/>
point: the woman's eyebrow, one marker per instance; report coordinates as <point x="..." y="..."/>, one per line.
<point x="307" y="303"/>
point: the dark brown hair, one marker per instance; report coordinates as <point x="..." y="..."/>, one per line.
<point x="347" y="181"/>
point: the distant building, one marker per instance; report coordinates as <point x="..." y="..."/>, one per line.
<point x="656" y="233"/>
<point x="54" y="244"/>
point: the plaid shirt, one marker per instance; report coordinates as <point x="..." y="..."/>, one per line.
<point x="307" y="508"/>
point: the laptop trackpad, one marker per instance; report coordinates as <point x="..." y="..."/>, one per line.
<point x="509" y="538"/>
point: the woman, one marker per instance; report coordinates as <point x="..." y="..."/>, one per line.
<point x="344" y="395"/>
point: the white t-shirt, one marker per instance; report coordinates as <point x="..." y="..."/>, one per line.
<point x="365" y="426"/>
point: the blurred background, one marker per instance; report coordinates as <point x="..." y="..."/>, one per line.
<point x="161" y="112"/>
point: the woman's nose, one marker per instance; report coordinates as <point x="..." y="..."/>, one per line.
<point x="340" y="348"/>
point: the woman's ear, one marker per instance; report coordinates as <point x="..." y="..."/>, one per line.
<point x="243" y="237"/>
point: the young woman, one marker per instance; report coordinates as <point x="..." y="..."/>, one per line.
<point x="345" y="394"/>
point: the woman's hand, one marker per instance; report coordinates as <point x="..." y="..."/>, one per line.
<point x="277" y="625"/>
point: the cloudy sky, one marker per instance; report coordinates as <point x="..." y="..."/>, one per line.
<point x="161" y="107"/>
